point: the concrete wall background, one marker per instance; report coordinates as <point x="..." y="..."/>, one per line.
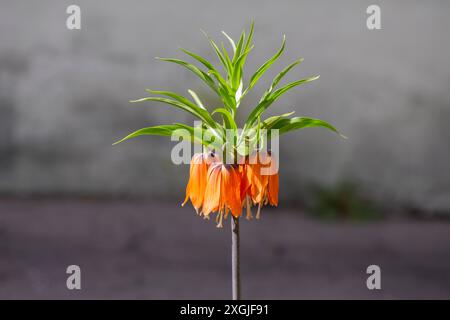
<point x="63" y="94"/>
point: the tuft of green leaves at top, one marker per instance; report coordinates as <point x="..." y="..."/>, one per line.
<point x="231" y="88"/>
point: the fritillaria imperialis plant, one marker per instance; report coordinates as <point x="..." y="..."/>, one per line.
<point x="234" y="169"/>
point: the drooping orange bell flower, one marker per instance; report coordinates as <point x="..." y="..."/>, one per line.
<point x="222" y="191"/>
<point x="272" y="190"/>
<point x="271" y="193"/>
<point x="262" y="179"/>
<point x="198" y="172"/>
<point x="258" y="181"/>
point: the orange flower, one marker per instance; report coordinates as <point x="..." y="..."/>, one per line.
<point x="258" y="181"/>
<point x="198" y="172"/>
<point x="216" y="187"/>
<point x="263" y="183"/>
<point x="272" y="190"/>
<point x="223" y="192"/>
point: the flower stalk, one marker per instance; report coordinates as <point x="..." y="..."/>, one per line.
<point x="235" y="260"/>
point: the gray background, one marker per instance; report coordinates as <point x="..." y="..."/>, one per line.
<point x="64" y="94"/>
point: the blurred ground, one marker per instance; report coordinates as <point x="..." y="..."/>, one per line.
<point x="148" y="250"/>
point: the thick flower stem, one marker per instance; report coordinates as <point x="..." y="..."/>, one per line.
<point x="235" y="274"/>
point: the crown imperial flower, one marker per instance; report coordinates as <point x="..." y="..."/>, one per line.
<point x="249" y="180"/>
<point x="251" y="177"/>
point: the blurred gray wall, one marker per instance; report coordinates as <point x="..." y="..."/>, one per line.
<point x="64" y="94"/>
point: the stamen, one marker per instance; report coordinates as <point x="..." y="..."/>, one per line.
<point x="217" y="216"/>
<point x="249" y="208"/>
<point x="258" y="213"/>
<point x="220" y="219"/>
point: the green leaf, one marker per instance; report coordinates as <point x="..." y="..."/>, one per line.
<point x="291" y="85"/>
<point x="205" y="62"/>
<point x="220" y="80"/>
<point x="256" y="112"/>
<point x="224" y="91"/>
<point x="175" y="96"/>
<point x="233" y="45"/>
<point x="266" y="65"/>
<point x="191" y="108"/>
<point x="227" y="117"/>
<point x="237" y="96"/>
<point x="199" y="58"/>
<point x="162" y="130"/>
<point x="238" y="67"/>
<point x="201" y="74"/>
<point x="198" y="135"/>
<point x="185" y="132"/>
<point x="239" y="47"/>
<point x="217" y="50"/>
<point x="271" y="121"/>
<point x="196" y="99"/>
<point x="267" y="100"/>
<point x="200" y="110"/>
<point x="250" y="35"/>
<point x="247" y="141"/>
<point x="287" y="125"/>
<point x="280" y="76"/>
<point x="228" y="61"/>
